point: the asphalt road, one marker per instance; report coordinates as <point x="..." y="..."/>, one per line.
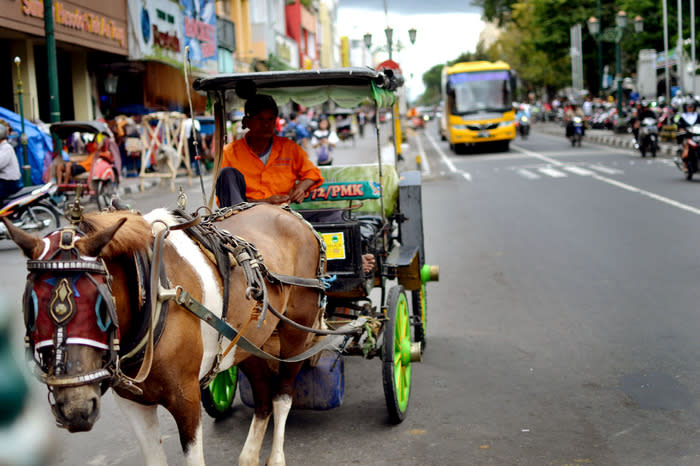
<point x="563" y="329"/>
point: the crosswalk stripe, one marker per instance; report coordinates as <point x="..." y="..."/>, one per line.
<point x="549" y="171"/>
<point x="528" y="174"/>
<point x="606" y="170"/>
<point x="577" y="170"/>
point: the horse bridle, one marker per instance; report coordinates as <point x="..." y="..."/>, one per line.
<point x="68" y="265"/>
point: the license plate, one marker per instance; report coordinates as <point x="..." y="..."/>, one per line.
<point x="484" y="134"/>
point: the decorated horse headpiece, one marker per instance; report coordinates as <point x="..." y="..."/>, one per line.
<point x="68" y="301"/>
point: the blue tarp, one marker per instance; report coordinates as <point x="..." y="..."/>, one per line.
<point x="39" y="144"/>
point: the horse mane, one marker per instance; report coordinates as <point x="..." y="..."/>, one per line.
<point x="133" y="235"/>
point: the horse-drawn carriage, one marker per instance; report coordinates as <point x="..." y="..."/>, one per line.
<point x="159" y="305"/>
<point x="101" y="181"/>
<point x="360" y="209"/>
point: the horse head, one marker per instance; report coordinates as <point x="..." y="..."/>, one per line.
<point x="72" y="332"/>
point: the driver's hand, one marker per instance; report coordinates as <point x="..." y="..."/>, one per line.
<point x="277" y="199"/>
<point x="297" y="194"/>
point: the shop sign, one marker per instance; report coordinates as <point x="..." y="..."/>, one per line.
<point x="156" y="31"/>
<point x="287" y="50"/>
<point x="74" y="18"/>
<point x="199" y="22"/>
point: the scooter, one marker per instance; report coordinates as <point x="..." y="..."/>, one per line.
<point x="689" y="165"/>
<point x="648" y="137"/>
<point x="31" y="210"/>
<point x="524" y="126"/>
<point x="577" y="134"/>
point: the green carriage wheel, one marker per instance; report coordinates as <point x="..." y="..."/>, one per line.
<point x="217" y="398"/>
<point x="396" y="365"/>
<point x="419" y="307"/>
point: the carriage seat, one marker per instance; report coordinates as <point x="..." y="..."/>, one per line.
<point x="346" y="185"/>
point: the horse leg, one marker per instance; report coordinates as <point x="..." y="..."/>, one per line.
<point x="144" y="422"/>
<point x="186" y="409"/>
<point x="260" y="377"/>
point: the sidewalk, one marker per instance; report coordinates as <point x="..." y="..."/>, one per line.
<point x="606" y="137"/>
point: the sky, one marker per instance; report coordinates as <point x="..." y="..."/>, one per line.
<point x="445" y="29"/>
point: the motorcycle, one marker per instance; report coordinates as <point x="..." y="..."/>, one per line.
<point x="648" y="137"/>
<point x="31" y="210"/>
<point x="523" y="126"/>
<point x="577" y="131"/>
<point x="689" y="165"/>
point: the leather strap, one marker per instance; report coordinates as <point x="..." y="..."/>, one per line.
<point x="184" y="299"/>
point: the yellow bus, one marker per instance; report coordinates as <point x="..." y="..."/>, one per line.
<point x="477" y="104"/>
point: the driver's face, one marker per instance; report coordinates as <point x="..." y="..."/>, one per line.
<point x="262" y="124"/>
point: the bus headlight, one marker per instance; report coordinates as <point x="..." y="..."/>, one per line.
<point x="503" y="124"/>
<point x="460" y="127"/>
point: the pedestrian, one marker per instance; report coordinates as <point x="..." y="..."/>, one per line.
<point x="10" y="177"/>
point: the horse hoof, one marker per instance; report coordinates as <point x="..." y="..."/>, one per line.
<point x="275" y="459"/>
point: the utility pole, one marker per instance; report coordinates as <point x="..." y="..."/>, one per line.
<point x="54" y="104"/>
<point x="667" y="73"/>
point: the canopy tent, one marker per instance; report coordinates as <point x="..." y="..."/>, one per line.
<point x="39" y="143"/>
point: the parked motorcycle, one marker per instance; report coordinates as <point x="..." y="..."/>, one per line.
<point x="577" y="131"/>
<point x="31" y="210"/>
<point x="648" y="137"/>
<point x="689" y="165"/>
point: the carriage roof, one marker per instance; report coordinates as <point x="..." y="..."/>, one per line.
<point x="348" y="87"/>
<point x="66" y="128"/>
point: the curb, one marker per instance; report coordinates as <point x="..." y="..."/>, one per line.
<point x="612" y="140"/>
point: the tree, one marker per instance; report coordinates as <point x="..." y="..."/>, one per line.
<point x="431" y="80"/>
<point x="495" y="10"/>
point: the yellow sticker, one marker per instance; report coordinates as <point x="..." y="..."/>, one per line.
<point x="335" y="245"/>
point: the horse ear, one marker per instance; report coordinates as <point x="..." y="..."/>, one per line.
<point x="93" y="244"/>
<point x="29" y="244"/>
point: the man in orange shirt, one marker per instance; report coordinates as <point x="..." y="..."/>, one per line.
<point x="261" y="166"/>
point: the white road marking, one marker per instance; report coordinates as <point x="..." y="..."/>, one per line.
<point x="446" y="159"/>
<point x="553" y="172"/>
<point x="425" y="165"/>
<point x="619" y="184"/>
<point x="528" y="174"/>
<point x="578" y="170"/>
<point x="606" y="170"/>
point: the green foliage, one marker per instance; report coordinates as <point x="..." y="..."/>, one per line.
<point x="535" y="39"/>
<point x="497" y="11"/>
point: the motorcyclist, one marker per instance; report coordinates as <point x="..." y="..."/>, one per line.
<point x="571" y="112"/>
<point x="642" y="111"/>
<point x="688" y="118"/>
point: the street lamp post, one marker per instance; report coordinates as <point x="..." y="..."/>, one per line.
<point x="615" y="35"/>
<point x="26" y="169"/>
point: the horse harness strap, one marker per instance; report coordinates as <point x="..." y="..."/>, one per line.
<point x="184" y="299"/>
<point x="67" y="262"/>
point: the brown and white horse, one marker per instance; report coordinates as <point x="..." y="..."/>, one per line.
<point x="187" y="348"/>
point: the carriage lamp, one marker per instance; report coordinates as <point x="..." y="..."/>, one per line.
<point x="26" y="169"/>
<point x="367" y="38"/>
<point x="412" y="35"/>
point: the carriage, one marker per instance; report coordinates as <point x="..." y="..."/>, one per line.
<point x="157" y="306"/>
<point x="360" y="209"/>
<point x="101" y="182"/>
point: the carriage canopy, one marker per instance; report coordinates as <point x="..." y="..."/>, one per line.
<point x="347" y="87"/>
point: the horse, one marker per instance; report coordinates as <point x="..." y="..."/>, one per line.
<point x="84" y="308"/>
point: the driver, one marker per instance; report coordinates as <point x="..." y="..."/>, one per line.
<point x="263" y="167"/>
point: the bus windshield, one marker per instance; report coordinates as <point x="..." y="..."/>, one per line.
<point x="481" y="91"/>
